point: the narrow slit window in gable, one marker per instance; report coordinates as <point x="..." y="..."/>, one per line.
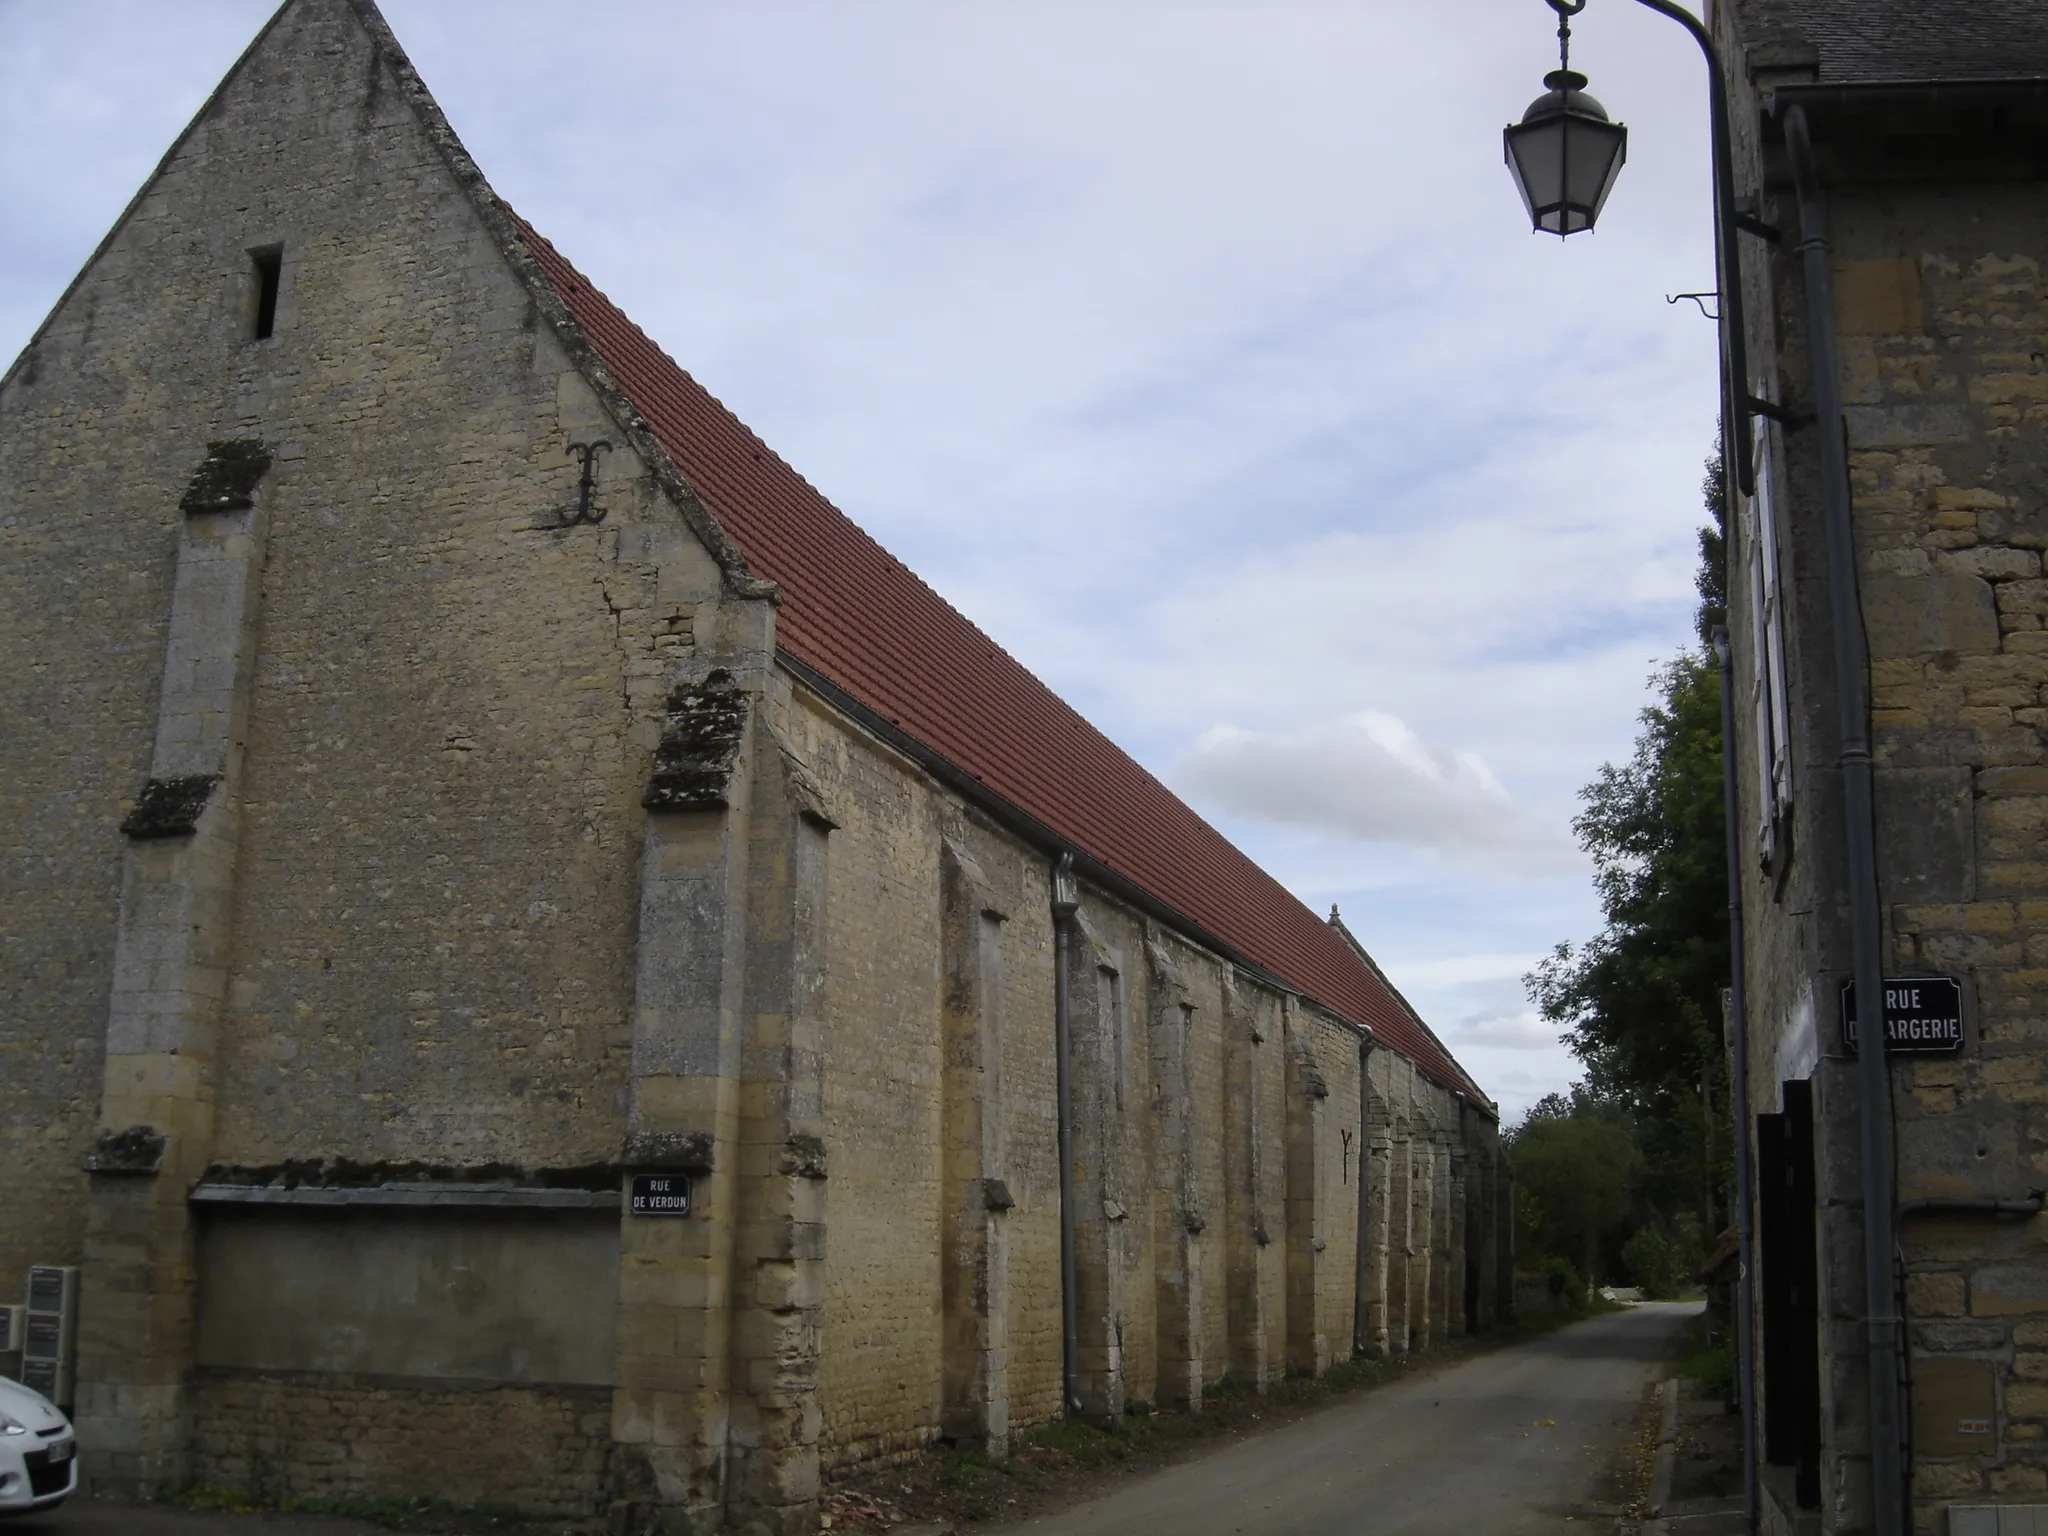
<point x="269" y="267"/>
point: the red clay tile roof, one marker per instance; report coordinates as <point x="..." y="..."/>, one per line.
<point x="858" y="616"/>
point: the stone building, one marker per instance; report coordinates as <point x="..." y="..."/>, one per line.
<point x="1913" y="259"/>
<point x="459" y="784"/>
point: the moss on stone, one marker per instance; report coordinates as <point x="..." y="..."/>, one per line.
<point x="348" y="1173"/>
<point x="227" y="477"/>
<point x="700" y="742"/>
<point x="170" y="807"/>
<point x="137" y="1150"/>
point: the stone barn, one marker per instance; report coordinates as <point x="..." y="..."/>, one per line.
<point x="538" y="963"/>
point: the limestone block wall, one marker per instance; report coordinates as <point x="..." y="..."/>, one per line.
<point x="319" y="1436"/>
<point x="423" y="941"/>
<point x="1941" y="321"/>
<point x="1943" y="337"/>
<point x="1031" y="1119"/>
<point x="511" y="859"/>
<point x="1337" y="1152"/>
<point x="1211" y="1199"/>
<point x="880" y="1379"/>
<point x="1218" y="1139"/>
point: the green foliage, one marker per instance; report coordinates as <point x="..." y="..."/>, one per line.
<point x="1711" y="580"/>
<point x="1346" y="1374"/>
<point x="963" y="1469"/>
<point x="1623" y="1178"/>
<point x="1575" y="1164"/>
<point x="1713" y="1370"/>
<point x="207" y="1498"/>
<point x="1640" y="1003"/>
<point x="1652" y="1262"/>
<point x="1565" y="1287"/>
<point x="1709" y="1364"/>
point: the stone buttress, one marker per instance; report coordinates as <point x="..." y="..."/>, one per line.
<point x="169" y="986"/>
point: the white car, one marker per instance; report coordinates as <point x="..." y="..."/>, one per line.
<point x="38" y="1452"/>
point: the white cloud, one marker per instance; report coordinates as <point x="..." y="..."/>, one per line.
<point x="1511" y="1032"/>
<point x="1214" y="387"/>
<point x="1370" y="777"/>
<point x="1459" y="970"/>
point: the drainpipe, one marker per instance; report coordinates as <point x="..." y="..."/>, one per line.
<point x="1063" y="908"/>
<point x="1866" y="934"/>
<point x="1358" y="1278"/>
<point x="1738" y="1091"/>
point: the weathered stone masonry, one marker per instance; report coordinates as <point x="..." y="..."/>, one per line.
<point x="1941" y="315"/>
<point x="393" y="863"/>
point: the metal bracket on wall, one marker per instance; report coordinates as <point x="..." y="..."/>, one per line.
<point x="1699" y="299"/>
<point x="587" y="483"/>
<point x="1750" y="224"/>
<point x="1783" y="415"/>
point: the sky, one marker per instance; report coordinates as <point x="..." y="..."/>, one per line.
<point x="1199" y="351"/>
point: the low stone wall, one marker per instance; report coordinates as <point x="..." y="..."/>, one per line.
<point x="309" y="1435"/>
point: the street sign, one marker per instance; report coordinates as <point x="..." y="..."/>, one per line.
<point x="660" y="1194"/>
<point x="1922" y="1014"/>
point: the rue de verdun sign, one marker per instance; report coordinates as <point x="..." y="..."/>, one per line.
<point x="1922" y="1014"/>
<point x="660" y="1194"/>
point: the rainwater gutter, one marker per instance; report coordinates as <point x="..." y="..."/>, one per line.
<point x="1738" y="1090"/>
<point x="1911" y="96"/>
<point x="1064" y="905"/>
<point x="1866" y="934"/>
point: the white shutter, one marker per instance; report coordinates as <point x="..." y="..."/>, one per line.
<point x="1770" y="706"/>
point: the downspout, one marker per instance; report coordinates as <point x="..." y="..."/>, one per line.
<point x="1359" y="1276"/>
<point x="1866" y="934"/>
<point x="1738" y="1091"/>
<point x="1063" y="908"/>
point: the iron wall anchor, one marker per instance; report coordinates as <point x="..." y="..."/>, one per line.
<point x="585" y="512"/>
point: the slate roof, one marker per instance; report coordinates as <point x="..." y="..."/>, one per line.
<point x="860" y="618"/>
<point x="1872" y="41"/>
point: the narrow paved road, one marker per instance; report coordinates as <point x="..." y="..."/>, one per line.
<point x="1512" y="1444"/>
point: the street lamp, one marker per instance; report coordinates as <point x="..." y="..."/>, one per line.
<point x="1564" y="153"/>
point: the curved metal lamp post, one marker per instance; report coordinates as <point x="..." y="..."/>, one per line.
<point x="1564" y="155"/>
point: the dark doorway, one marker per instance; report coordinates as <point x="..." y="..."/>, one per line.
<point x="1788" y="1256"/>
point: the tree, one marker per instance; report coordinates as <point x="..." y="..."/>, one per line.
<point x="1640" y="1003"/>
<point x="1575" y="1165"/>
<point x="1711" y="579"/>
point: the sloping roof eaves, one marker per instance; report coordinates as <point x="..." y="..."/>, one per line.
<point x="1365" y="957"/>
<point x="1857" y="42"/>
<point x="858" y="617"/>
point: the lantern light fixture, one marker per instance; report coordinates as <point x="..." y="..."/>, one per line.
<point x="1564" y="154"/>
